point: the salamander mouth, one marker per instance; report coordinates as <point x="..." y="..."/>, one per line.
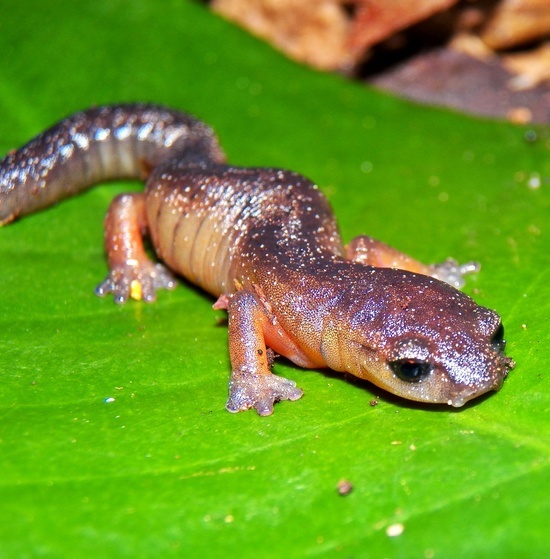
<point x="460" y="397"/>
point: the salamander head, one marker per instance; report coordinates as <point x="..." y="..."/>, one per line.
<point x="418" y="338"/>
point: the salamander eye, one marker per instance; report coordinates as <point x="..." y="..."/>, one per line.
<point x="498" y="343"/>
<point x="411" y="370"/>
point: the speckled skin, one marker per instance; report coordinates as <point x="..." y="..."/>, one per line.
<point x="265" y="242"/>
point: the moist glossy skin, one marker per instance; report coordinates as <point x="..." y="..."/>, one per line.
<point x="265" y="242"/>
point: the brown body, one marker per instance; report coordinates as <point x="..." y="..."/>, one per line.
<point x="265" y="242"/>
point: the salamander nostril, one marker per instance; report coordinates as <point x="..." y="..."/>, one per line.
<point x="498" y="343"/>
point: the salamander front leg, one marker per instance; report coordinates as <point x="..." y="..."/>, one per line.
<point x="131" y="273"/>
<point x="372" y="252"/>
<point x="252" y="384"/>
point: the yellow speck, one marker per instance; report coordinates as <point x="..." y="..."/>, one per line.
<point x="135" y="290"/>
<point x="229" y="518"/>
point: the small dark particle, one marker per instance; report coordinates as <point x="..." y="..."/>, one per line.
<point x="260" y="352"/>
<point x="221" y="320"/>
<point x="374" y="402"/>
<point x="344" y="487"/>
<point x="530" y="136"/>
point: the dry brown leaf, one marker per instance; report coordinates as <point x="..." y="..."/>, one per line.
<point x="472" y="45"/>
<point x="377" y="20"/>
<point x="531" y="68"/>
<point x="327" y="34"/>
<point x="311" y="32"/>
<point x="516" y="22"/>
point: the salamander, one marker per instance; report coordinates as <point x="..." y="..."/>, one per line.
<point x="266" y="244"/>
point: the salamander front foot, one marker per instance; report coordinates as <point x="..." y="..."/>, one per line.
<point x="259" y="391"/>
<point x="136" y="281"/>
<point x="451" y="272"/>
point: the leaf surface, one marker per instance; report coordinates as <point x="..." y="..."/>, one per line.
<point x="114" y="440"/>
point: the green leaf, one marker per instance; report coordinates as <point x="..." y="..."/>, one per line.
<point x="114" y="441"/>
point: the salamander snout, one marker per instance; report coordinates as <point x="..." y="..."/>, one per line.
<point x="458" y="397"/>
<point x="426" y="342"/>
<point x="451" y="368"/>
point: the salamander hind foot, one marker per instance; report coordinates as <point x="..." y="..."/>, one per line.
<point x="138" y="281"/>
<point x="259" y="391"/>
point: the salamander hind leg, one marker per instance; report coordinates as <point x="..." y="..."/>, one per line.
<point x="132" y="273"/>
<point x="372" y="252"/>
<point x="252" y="384"/>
